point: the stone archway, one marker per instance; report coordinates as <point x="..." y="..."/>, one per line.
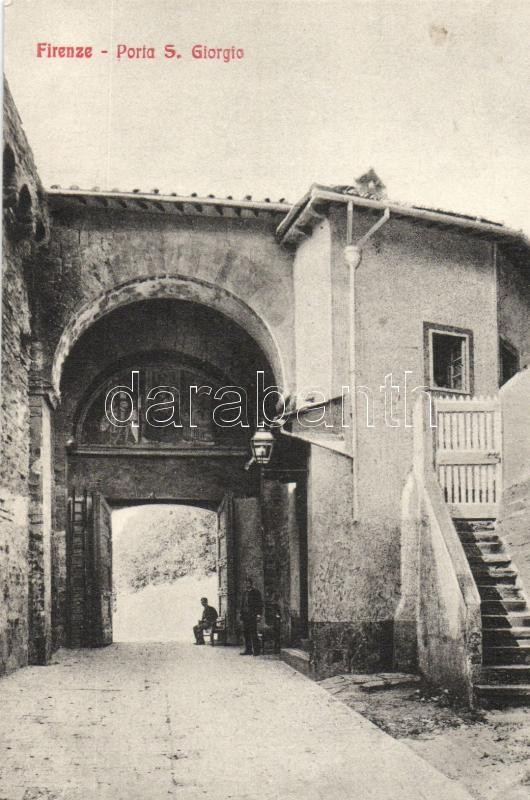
<point x="132" y="329"/>
<point x="177" y="287"/>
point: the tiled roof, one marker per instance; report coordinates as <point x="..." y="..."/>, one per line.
<point x="172" y="203"/>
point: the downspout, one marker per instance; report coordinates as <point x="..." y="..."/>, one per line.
<point x="353" y="256"/>
<point x="495" y="263"/>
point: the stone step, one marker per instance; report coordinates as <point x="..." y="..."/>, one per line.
<point x="489" y="560"/>
<point x="488" y="547"/>
<point x="482" y="547"/>
<point x="489" y="576"/>
<point x="475" y="525"/>
<point x="505" y="620"/>
<point x="501" y="592"/>
<point x="298" y="659"/>
<point x="499" y="636"/>
<point x="507" y="655"/>
<point x="476" y="538"/>
<point x="504" y="694"/>
<point x="505" y="615"/>
<point x="505" y="673"/>
<point x="504" y="606"/>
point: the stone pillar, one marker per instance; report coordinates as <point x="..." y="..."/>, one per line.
<point x="40" y="524"/>
<point x="276" y="556"/>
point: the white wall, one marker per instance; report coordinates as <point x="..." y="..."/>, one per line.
<point x="313" y="328"/>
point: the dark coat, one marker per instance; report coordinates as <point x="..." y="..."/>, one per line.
<point x="209" y="616"/>
<point x="251" y="604"/>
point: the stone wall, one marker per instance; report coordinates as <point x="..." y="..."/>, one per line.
<point x="14" y="489"/>
<point x="24" y="229"/>
<point x="101" y="259"/>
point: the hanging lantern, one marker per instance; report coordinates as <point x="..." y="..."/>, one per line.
<point x="262" y="444"/>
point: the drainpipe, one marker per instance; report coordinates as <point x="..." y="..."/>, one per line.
<point x="353" y="256"/>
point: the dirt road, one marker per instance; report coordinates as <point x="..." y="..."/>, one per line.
<point x="173" y="720"/>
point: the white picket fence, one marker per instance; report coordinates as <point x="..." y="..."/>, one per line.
<point x="468" y="454"/>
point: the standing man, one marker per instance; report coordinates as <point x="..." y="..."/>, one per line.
<point x="207" y="621"/>
<point x="251" y="608"/>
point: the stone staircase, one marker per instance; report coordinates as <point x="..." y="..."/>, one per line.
<point x="505" y="615"/>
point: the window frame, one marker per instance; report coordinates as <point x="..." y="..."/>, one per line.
<point x="430" y="328"/>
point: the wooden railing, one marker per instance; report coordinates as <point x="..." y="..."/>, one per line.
<point x="467" y="445"/>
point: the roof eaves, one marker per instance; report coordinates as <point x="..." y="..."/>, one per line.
<point x="155" y="198"/>
<point x="300" y="217"/>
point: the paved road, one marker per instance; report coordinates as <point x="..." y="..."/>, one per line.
<point x="154" y="721"/>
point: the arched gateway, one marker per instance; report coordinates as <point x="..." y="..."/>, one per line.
<point x="193" y="360"/>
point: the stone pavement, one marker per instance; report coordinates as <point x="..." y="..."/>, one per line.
<point x="154" y="721"/>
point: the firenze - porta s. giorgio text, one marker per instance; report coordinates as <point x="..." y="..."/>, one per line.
<point x="169" y="52"/>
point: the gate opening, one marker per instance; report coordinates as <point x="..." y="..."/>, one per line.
<point x="164" y="561"/>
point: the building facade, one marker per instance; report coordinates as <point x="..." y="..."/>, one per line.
<point x="350" y="306"/>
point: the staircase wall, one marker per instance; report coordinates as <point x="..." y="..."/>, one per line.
<point x="514" y="514"/>
<point x="438" y="622"/>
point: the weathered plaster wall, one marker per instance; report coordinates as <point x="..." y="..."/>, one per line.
<point x="514" y="306"/>
<point x="346" y="630"/>
<point x="438" y="624"/>
<point x="408" y="274"/>
<point x="313" y="314"/>
<point x="449" y="634"/>
<point x="514" y="514"/>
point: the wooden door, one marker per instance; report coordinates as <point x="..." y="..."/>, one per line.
<point x="225" y="564"/>
<point x="89" y="570"/>
<point x="101" y="566"/>
<point x="78" y="522"/>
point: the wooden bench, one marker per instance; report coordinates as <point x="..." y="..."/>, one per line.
<point x="219" y="630"/>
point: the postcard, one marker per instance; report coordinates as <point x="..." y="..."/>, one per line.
<point x="265" y="435"/>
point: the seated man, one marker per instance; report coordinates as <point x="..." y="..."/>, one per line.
<point x="207" y="621"/>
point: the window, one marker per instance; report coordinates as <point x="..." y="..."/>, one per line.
<point x="508" y="361"/>
<point x="448" y="354"/>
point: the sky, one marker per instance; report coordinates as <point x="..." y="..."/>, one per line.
<point x="433" y="96"/>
